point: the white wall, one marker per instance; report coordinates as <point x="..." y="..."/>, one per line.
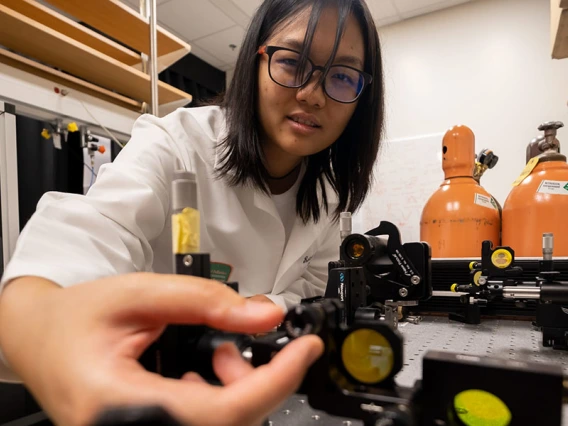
<point x="229" y="76"/>
<point x="484" y="64"/>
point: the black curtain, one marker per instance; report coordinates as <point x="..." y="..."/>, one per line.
<point x="42" y="167"/>
<point x="196" y="77"/>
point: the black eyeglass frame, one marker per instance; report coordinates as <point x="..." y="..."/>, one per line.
<point x="270" y="50"/>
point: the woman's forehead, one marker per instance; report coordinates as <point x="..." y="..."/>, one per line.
<point x="291" y="34"/>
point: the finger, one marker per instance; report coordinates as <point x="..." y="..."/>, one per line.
<point x="263" y="390"/>
<point x="229" y="364"/>
<point x="177" y="299"/>
<point x="193" y="377"/>
<point x="245" y="401"/>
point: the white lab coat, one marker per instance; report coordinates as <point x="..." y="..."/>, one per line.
<point x="123" y="224"/>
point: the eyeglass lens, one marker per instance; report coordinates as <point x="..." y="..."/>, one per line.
<point x="341" y="83"/>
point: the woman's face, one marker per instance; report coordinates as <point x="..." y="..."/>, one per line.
<point x="299" y="122"/>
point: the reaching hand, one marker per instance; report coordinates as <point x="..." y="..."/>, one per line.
<point x="76" y="348"/>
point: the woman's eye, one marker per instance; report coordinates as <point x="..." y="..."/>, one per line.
<point x="288" y="62"/>
<point x="344" y="78"/>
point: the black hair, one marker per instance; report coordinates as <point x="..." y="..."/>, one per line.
<point x="348" y="163"/>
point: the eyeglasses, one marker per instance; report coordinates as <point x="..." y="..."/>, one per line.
<point x="342" y="83"/>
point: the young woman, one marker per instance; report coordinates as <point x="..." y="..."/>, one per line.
<point x="292" y="145"/>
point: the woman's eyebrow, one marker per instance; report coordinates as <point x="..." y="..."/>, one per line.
<point x="293" y="43"/>
<point x="349" y="60"/>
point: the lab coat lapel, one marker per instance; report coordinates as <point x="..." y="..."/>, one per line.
<point x="301" y="239"/>
<point x="260" y="199"/>
<point x="265" y="203"/>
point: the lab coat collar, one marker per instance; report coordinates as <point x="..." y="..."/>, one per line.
<point x="302" y="236"/>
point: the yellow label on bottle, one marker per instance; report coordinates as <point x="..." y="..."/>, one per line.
<point x="185" y="231"/>
<point x="527" y="170"/>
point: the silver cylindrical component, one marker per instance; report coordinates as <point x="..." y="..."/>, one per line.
<point x="153" y="12"/>
<point x="345" y="225"/>
<point x="517" y="292"/>
<point x="184" y="191"/>
<point x="247" y="354"/>
<point x="547" y="245"/>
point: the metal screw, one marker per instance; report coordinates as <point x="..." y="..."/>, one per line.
<point x="188" y="260"/>
<point x="482" y="281"/>
<point x="415" y="279"/>
<point x="315" y="417"/>
<point x="403" y="292"/>
<point x="347" y="423"/>
<point x="286" y="412"/>
<point x="302" y="401"/>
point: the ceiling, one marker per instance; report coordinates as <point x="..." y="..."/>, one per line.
<point x="215" y="28"/>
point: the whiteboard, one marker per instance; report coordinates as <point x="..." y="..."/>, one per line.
<point x="407" y="173"/>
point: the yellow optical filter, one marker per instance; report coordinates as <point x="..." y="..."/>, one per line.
<point x="501" y="258"/>
<point x="367" y="356"/>
<point x="480" y="408"/>
<point x="185" y="231"/>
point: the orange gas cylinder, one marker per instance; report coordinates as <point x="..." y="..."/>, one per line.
<point x="460" y="215"/>
<point x="538" y="202"/>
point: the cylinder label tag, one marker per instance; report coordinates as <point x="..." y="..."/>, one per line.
<point x="527" y="170"/>
<point x="553" y="187"/>
<point x="485" y="201"/>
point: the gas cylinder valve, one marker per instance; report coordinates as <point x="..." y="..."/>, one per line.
<point x="550" y="142"/>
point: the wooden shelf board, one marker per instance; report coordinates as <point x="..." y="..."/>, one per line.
<point x="564" y="4"/>
<point x="559" y="32"/>
<point x="58" y="77"/>
<point x="68" y="27"/>
<point x="20" y="33"/>
<point x="121" y="23"/>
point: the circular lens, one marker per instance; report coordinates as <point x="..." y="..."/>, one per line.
<point x="284" y="68"/>
<point x="367" y="356"/>
<point x="476" y="277"/>
<point x="355" y="250"/>
<point x="477" y="407"/>
<point x="344" y="84"/>
<point x="501" y="258"/>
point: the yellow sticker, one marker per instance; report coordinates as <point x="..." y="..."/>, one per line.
<point x="527" y="170"/>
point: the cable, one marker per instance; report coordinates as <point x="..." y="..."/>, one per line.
<point x="92" y="176"/>
<point x="92" y="170"/>
<point x="100" y="124"/>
